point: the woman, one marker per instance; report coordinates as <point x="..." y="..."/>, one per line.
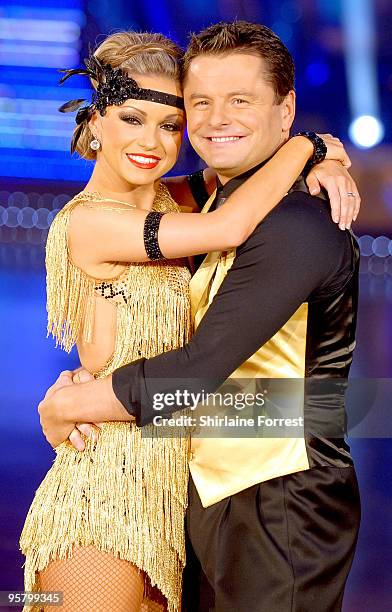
<point x="106" y="525"/>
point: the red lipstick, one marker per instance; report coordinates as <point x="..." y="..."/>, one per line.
<point x="146" y="162"/>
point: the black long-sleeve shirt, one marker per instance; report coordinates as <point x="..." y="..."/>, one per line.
<point x="296" y="255"/>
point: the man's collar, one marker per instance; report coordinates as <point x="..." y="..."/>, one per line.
<point x="236" y="181"/>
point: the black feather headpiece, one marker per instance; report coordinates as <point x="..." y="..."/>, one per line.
<point x="113" y="87"/>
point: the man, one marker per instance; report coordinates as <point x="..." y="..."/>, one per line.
<point x="272" y="522"/>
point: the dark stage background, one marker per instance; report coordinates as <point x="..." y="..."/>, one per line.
<point x="343" y="51"/>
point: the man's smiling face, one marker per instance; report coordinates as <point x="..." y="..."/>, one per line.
<point x="234" y="122"/>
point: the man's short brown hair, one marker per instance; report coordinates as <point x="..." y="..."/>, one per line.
<point x="250" y="38"/>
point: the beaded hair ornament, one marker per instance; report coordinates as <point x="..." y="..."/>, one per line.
<point x="114" y="87"/>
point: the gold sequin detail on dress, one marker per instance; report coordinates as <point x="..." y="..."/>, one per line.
<point x="126" y="493"/>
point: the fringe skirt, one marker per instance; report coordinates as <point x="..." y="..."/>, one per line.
<point x="125" y="494"/>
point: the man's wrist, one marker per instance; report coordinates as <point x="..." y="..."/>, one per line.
<point x="117" y="410"/>
<point x="93" y="401"/>
<point x="65" y="402"/>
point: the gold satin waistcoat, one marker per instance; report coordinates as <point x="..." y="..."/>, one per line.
<point x="224" y="466"/>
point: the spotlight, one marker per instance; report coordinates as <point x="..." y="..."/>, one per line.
<point x="366" y="131"/>
<point x="317" y="73"/>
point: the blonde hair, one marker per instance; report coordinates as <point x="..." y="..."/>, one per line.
<point x="136" y="53"/>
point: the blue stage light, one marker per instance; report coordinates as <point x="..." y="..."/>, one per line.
<point x="43" y="55"/>
<point x="60" y="201"/>
<point x="387" y="194"/>
<point x="19" y="199"/>
<point x="11" y="219"/>
<point x="381" y="246"/>
<point x="366" y="245"/>
<point x="39" y="30"/>
<point x="283" y="30"/>
<point x="291" y="11"/>
<point x="33" y="135"/>
<point x="317" y="73"/>
<point x="30" y="10"/>
<point x="26" y="217"/>
<point x="366" y="131"/>
<point x="377" y="266"/>
<point x="43" y="218"/>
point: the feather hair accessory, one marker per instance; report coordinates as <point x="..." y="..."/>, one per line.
<point x="113" y="87"/>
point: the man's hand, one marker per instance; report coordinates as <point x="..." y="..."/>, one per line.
<point x="51" y="410"/>
<point x="342" y="191"/>
<point x="65" y="379"/>
<point x="81" y="375"/>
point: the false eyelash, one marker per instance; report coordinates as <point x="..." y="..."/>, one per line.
<point x="129" y="117"/>
<point x="175" y="126"/>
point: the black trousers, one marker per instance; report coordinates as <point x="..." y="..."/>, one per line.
<point x="285" y="545"/>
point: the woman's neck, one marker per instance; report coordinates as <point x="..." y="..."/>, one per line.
<point x="112" y="186"/>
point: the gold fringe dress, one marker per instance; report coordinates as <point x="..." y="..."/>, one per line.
<point x="126" y="493"/>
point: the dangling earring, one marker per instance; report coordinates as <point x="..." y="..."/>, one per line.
<point x="95" y="144"/>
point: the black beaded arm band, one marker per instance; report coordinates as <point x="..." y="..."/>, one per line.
<point x="319" y="150"/>
<point x="150" y="233"/>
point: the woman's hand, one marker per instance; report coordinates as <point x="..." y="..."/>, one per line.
<point x="335" y="150"/>
<point x="342" y="191"/>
